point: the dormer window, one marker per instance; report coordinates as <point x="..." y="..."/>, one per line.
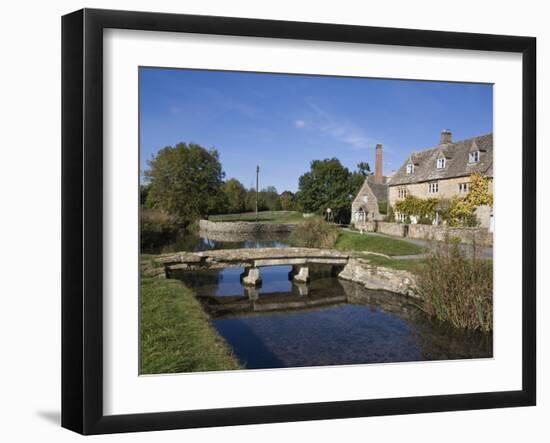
<point x="473" y="157"/>
<point x="410" y="168"/>
<point x="441" y="163"/>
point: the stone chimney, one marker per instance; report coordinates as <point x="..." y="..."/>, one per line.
<point x="446" y="137"/>
<point x="378" y="164"/>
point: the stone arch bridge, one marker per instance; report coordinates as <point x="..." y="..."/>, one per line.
<point x="252" y="260"/>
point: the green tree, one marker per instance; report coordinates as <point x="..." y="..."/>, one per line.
<point x="235" y="194"/>
<point x="363" y="168"/>
<point x="250" y="200"/>
<point x="269" y="198"/>
<point x="143" y="192"/>
<point x="185" y="180"/>
<point x="287" y="201"/>
<point x="328" y="184"/>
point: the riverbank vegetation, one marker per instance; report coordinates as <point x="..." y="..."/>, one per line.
<point x="457" y="286"/>
<point x="354" y="241"/>
<point x="156" y="228"/>
<point x="314" y="232"/>
<point x="175" y="332"/>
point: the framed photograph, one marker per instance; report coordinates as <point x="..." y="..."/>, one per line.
<point x="269" y="221"/>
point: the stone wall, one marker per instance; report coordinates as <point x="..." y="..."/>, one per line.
<point x="393" y="229"/>
<point x="244" y="227"/>
<point x="379" y="278"/>
<point x="429" y="232"/>
<point x="368" y="226"/>
<point x="439" y="233"/>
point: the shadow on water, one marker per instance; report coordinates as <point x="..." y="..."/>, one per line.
<point x="327" y="322"/>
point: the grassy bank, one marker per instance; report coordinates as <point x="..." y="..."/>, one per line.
<point x="399" y="264"/>
<point x="351" y="241"/>
<point x="263" y="217"/>
<point x="175" y="332"/>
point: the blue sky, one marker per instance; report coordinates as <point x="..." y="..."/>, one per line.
<point x="282" y="122"/>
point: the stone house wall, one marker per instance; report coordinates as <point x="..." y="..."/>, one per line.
<point x="370" y="206"/>
<point x="448" y="188"/>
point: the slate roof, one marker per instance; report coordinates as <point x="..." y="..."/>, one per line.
<point x="380" y="190"/>
<point x="456" y="163"/>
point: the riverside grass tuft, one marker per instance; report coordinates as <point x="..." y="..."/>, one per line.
<point x="175" y="332"/>
<point x="314" y="232"/>
<point x="457" y="286"/>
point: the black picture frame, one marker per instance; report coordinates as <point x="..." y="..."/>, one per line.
<point x="82" y="218"/>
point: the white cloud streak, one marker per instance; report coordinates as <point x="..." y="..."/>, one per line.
<point x="341" y="130"/>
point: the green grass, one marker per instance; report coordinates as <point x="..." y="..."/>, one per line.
<point x="175" y="332"/>
<point x="412" y="265"/>
<point x="263" y="217"/>
<point x="351" y="241"/>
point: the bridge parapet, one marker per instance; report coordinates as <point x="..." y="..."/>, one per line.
<point x="252" y="260"/>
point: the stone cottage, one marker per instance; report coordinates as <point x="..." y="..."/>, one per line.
<point x="365" y="206"/>
<point x="444" y="170"/>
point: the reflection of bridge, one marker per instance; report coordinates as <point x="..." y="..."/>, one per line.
<point x="252" y="260"/>
<point x="305" y="298"/>
<point x="254" y="303"/>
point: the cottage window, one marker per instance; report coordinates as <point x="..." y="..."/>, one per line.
<point x="440" y="163"/>
<point x="433" y="188"/>
<point x="366" y="198"/>
<point x="474" y="157"/>
<point x="410" y="168"/>
<point x="463" y="187"/>
<point x="402" y="192"/>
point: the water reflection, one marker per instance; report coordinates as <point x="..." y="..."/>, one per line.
<point x="327" y="322"/>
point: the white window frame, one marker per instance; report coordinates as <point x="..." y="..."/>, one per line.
<point x="463" y="188"/>
<point x="441" y="163"/>
<point x="474" y="157"/>
<point x="433" y="187"/>
<point x="410" y="168"/>
<point x="402" y="192"/>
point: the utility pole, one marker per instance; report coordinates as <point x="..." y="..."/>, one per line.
<point x="257" y="174"/>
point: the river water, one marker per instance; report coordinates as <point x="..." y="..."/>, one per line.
<point x="327" y="322"/>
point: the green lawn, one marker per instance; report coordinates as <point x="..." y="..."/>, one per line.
<point x="263" y="217"/>
<point x="400" y="264"/>
<point x="351" y="241"/>
<point x="175" y="332"/>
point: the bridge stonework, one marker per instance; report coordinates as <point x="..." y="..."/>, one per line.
<point x="252" y="260"/>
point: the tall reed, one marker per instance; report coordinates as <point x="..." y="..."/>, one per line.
<point x="456" y="285"/>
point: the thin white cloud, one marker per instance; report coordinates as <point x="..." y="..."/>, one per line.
<point x="299" y="124"/>
<point x="341" y="130"/>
